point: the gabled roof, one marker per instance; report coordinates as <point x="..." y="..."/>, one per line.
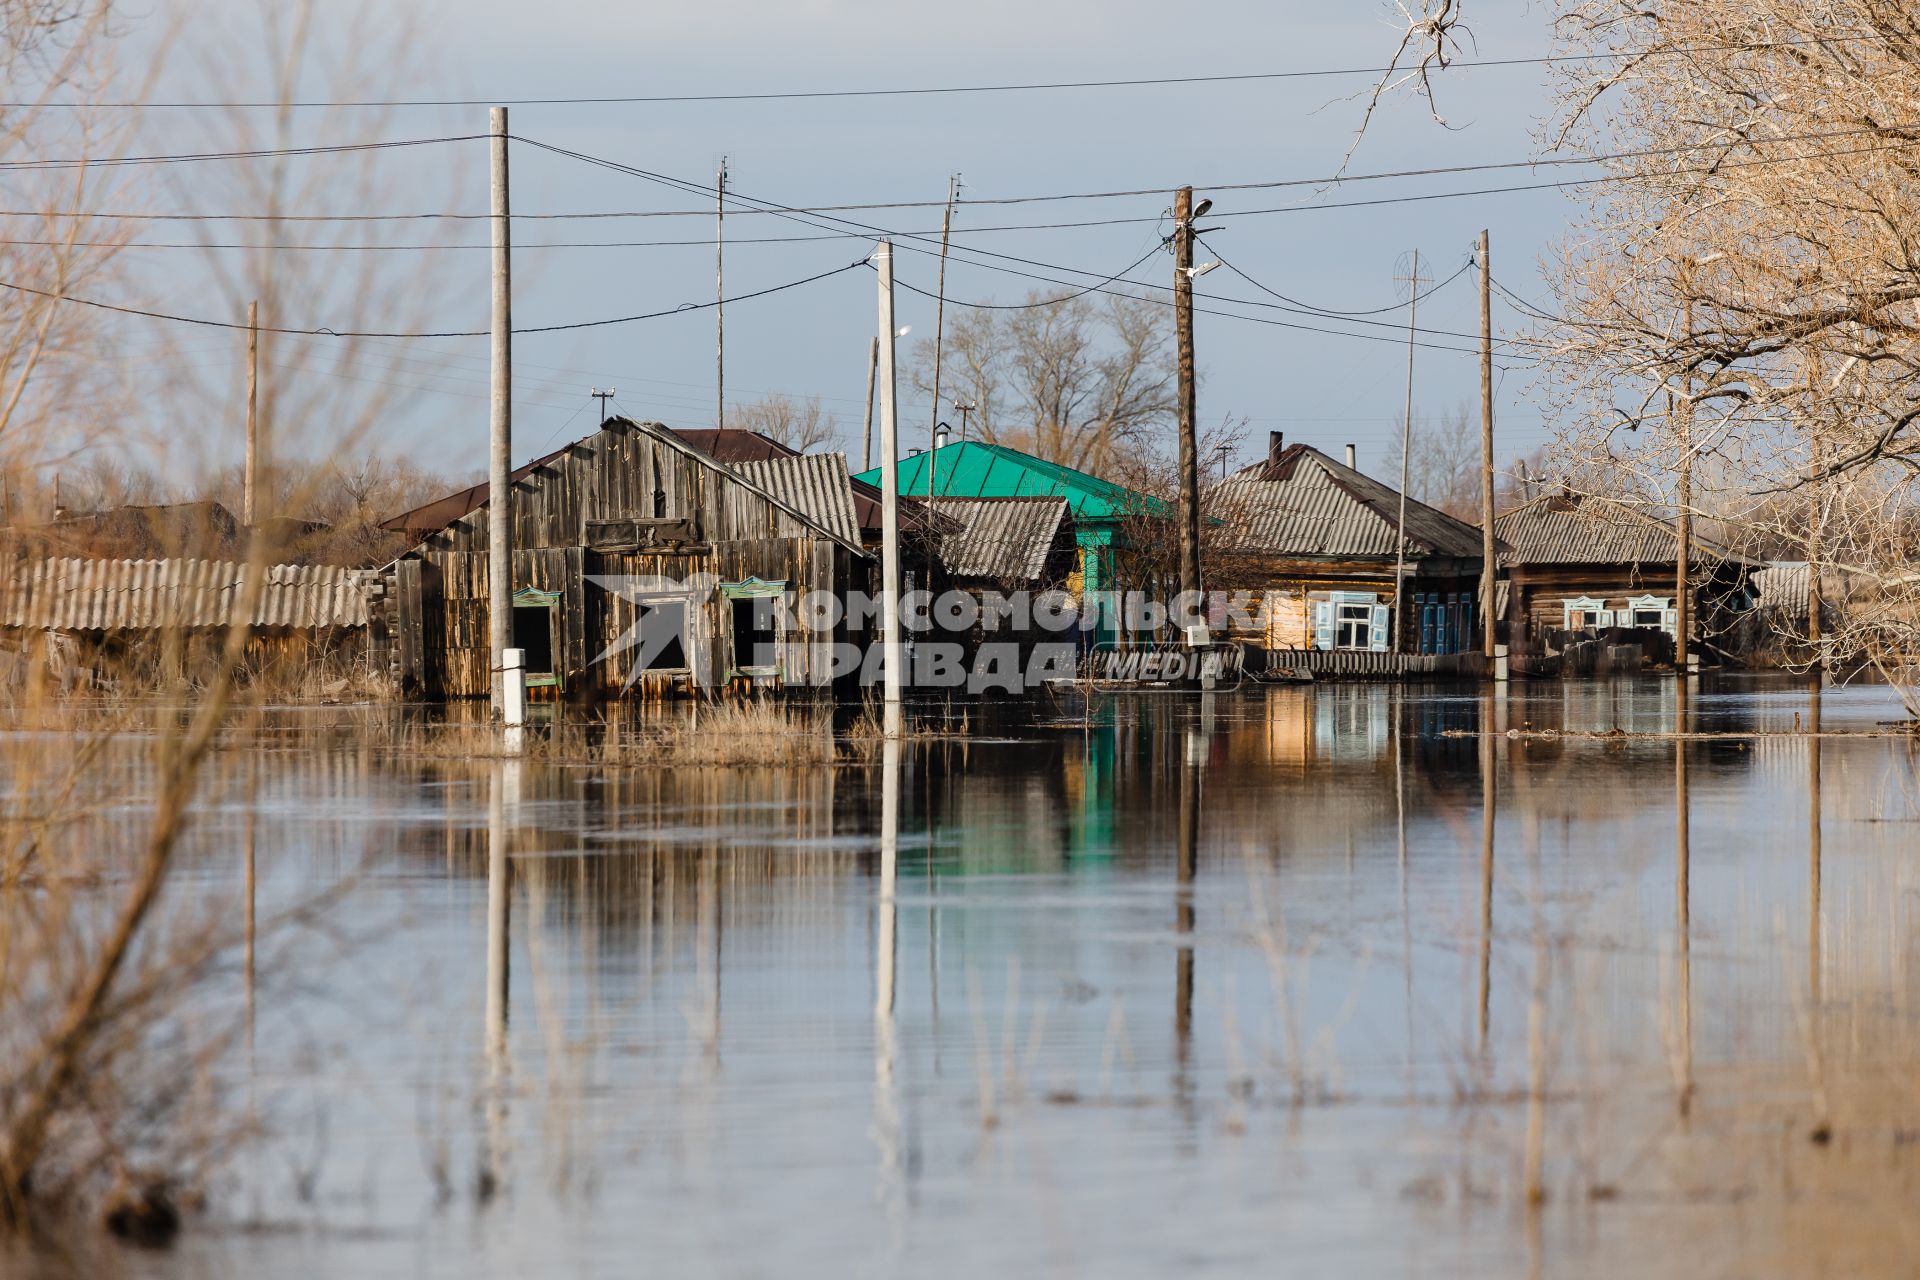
<point x="1560" y="528"/>
<point x="1304" y="503"/>
<point x="1004" y="539"/>
<point x="428" y="519"/>
<point x="815" y="483"/>
<point x="975" y="469"/>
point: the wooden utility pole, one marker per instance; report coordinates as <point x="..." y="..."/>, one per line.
<point x="720" y="296"/>
<point x="1489" y="621"/>
<point x="1683" y="549"/>
<point x="866" y="447"/>
<point x="1183" y="325"/>
<point x="500" y="424"/>
<point x="1406" y="453"/>
<point x="250" y="510"/>
<point x="1813" y="569"/>
<point x="889" y="497"/>
<point x="939" y="335"/>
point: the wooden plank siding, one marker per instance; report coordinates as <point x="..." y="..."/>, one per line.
<point x="628" y="501"/>
<point x="1286" y="588"/>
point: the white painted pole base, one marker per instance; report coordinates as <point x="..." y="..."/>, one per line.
<point x="513" y="687"/>
<point x="1500" y="664"/>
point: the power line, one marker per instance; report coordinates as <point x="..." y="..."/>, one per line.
<point x="784" y="210"/>
<point x="1309" y="309"/>
<point x="792" y="95"/>
<point x="1329" y="180"/>
<point x="258" y="153"/>
<point x="806" y="219"/>
<point x="449" y="333"/>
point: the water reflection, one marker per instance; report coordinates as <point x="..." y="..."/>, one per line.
<point x="1458" y="914"/>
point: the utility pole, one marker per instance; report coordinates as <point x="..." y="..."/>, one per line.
<point x="250" y="514"/>
<point x="1406" y="452"/>
<point x="1683" y="550"/>
<point x="1488" y="622"/>
<point x="1183" y="215"/>
<point x="939" y="334"/>
<point x="500" y="424"/>
<point x="889" y="497"/>
<point x="603" y="397"/>
<point x="1813" y="569"/>
<point x="720" y="296"/>
<point x="866" y="447"/>
<point x="965" y="408"/>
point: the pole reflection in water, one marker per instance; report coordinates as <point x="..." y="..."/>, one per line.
<point x="886" y="1096"/>
<point x="1406" y="900"/>
<point x="250" y="888"/>
<point x="1186" y="861"/>
<point x="1489" y="803"/>
<point x="1683" y="898"/>
<point x="707" y="927"/>
<point x="1813" y="850"/>
<point x="503" y="786"/>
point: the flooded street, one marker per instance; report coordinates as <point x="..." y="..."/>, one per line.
<point x="1323" y="980"/>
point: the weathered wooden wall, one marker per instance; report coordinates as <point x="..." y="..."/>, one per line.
<point x="622" y="503"/>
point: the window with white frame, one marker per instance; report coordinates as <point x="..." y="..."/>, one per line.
<point x="1585" y="613"/>
<point x="1352" y="625"/>
<point x="1350" y="620"/>
<point x="1653" y="613"/>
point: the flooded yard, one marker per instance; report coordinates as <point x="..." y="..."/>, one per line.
<point x="1318" y="980"/>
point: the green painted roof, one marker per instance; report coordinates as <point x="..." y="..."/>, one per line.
<point x="972" y="469"/>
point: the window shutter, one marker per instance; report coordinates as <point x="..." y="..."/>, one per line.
<point x="1382" y="619"/>
<point x="1670" y="622"/>
<point x="1323" y="624"/>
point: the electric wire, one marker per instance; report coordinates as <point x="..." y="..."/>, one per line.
<point x="1309" y="73"/>
<point x="448" y="333"/>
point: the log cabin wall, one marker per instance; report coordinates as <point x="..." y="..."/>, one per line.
<point x="623" y="502"/>
<point x="1537" y="605"/>
<point x="1286" y="588"/>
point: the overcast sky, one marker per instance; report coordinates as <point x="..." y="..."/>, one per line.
<point x="812" y="341"/>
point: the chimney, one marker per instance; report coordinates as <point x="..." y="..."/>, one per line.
<point x="1352" y="459"/>
<point x="1274" y="446"/>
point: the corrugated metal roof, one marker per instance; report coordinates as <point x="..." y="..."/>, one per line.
<point x="976" y="469"/>
<point x="1003" y="539"/>
<point x="1785" y="588"/>
<point x="815" y="484"/>
<point x="122" y="595"/>
<point x="1573" y="529"/>
<point x="1304" y="503"/>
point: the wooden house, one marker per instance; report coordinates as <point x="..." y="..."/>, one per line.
<point x="1584" y="576"/>
<point x="1316" y="540"/>
<point x="631" y="527"/>
<point x="1100" y="509"/>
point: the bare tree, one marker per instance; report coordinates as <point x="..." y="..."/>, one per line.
<point x="54" y="245"/>
<point x="1068" y="379"/>
<point x="1429" y="41"/>
<point x="1742" y="299"/>
<point x="1443" y="461"/>
<point x="801" y="425"/>
<point x="309" y="266"/>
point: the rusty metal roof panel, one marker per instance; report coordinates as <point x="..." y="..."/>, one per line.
<point x="134" y="595"/>
<point x="1003" y="539"/>
<point x="1304" y="503"/>
<point x="1577" y="529"/>
<point x="817" y="485"/>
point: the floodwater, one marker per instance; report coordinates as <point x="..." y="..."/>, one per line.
<point x="1301" y="980"/>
